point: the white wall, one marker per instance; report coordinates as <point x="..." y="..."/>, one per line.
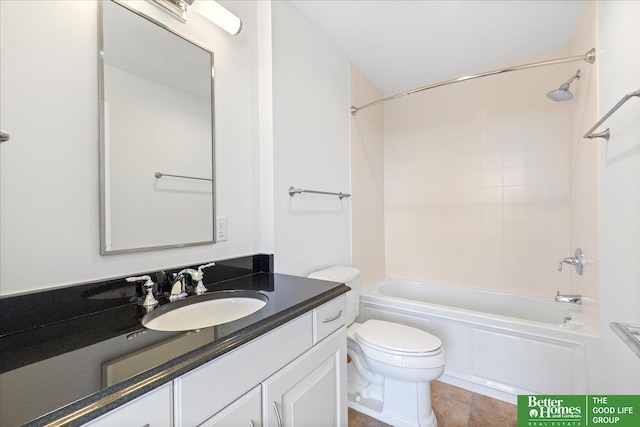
<point x="618" y="369"/>
<point x="311" y="145"/>
<point x="367" y="176"/>
<point x="49" y="196"/>
<point x="271" y="133"/>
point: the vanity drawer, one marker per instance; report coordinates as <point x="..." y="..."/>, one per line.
<point x="152" y="409"/>
<point x="329" y="317"/>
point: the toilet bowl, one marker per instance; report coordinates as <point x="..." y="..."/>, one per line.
<point x="390" y="365"/>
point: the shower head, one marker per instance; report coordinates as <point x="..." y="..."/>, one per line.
<point x="562" y="93"/>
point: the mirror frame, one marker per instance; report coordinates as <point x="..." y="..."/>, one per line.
<point x="101" y="120"/>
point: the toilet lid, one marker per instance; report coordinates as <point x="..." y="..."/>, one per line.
<point x="396" y="338"/>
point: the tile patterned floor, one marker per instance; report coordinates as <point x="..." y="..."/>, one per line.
<point x="456" y="407"/>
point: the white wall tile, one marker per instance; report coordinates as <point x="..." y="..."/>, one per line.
<point x="513" y="176"/>
<point x="472" y="196"/>
<point x="492" y="159"/>
<point x="514" y="194"/>
<point x="497" y="185"/>
<point x="492" y="177"/>
<point x="492" y="231"/>
<point x="492" y="196"/>
<point x="472" y="178"/>
<point x="513" y="157"/>
<point x="473" y="161"/>
<point x="515" y="213"/>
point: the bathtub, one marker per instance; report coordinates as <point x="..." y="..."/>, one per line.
<point x="496" y="344"/>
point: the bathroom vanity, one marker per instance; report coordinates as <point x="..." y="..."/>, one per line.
<point x="282" y="365"/>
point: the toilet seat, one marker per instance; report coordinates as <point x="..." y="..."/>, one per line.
<point x="397" y="339"/>
<point x="399" y="345"/>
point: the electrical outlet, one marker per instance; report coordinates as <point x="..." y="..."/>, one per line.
<point x="221" y="229"/>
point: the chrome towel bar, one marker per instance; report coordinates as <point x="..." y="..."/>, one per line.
<point x="606" y="134"/>
<point x="293" y="191"/>
<point x="160" y="175"/>
<point x="629" y="334"/>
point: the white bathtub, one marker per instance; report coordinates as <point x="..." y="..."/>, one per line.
<point x="497" y="344"/>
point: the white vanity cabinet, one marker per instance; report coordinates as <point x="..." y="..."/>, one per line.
<point x="150" y="410"/>
<point x="309" y="391"/>
<point x="208" y="389"/>
<point x="301" y="366"/>
<point x="298" y="368"/>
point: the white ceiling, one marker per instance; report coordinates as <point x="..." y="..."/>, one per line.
<point x="400" y="44"/>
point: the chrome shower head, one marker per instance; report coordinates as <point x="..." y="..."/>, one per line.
<point x="562" y="93"/>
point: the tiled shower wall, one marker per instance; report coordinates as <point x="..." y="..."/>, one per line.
<point x="584" y="162"/>
<point x="477" y="182"/>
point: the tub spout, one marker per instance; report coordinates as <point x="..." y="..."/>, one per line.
<point x="574" y="299"/>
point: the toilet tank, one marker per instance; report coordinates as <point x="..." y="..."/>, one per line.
<point x="349" y="276"/>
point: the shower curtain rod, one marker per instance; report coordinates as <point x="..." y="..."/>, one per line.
<point x="589" y="57"/>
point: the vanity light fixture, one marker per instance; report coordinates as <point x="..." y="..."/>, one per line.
<point x="216" y="13"/>
<point x="209" y="9"/>
<point x="178" y="8"/>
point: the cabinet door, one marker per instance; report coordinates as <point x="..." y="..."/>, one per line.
<point x="244" y="412"/>
<point x="150" y="410"/>
<point x="311" y="391"/>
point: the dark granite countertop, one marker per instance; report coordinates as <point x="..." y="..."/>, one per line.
<point x="73" y="370"/>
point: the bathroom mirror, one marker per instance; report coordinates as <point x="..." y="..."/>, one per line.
<point x="156" y="135"/>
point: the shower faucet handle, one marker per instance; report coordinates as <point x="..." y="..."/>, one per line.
<point x="577" y="261"/>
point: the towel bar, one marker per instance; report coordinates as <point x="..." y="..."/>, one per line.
<point x="293" y="191"/>
<point x="607" y="133"/>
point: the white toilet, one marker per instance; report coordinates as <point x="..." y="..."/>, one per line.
<point x="391" y="365"/>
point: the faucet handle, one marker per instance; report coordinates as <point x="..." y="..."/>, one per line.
<point x="200" y="288"/>
<point x="202" y="267"/>
<point x="149" y="300"/>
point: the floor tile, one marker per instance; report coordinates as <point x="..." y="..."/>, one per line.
<point x="358" y="419"/>
<point x="456" y="407"/>
<point x="451" y="413"/>
<point x="443" y="391"/>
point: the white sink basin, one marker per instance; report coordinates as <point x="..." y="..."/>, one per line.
<point x="205" y="310"/>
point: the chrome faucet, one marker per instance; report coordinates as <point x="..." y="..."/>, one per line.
<point x="179" y="287"/>
<point x="573" y="299"/>
<point x="181" y="283"/>
<point x="577" y="261"/>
